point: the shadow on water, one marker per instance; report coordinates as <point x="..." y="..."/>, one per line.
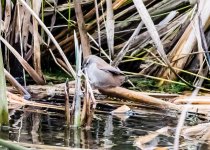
<point x="47" y="127"/>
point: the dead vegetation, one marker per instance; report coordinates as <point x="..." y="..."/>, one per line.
<point x="164" y="40"/>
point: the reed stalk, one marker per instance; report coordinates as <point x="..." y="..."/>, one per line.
<point x="4" y="120"/>
<point x="77" y="97"/>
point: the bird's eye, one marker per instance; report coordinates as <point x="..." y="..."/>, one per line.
<point x="87" y="63"/>
<point x="84" y="65"/>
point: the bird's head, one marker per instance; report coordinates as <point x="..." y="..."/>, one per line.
<point x="90" y="60"/>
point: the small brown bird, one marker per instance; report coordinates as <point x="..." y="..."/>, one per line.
<point x="101" y="74"/>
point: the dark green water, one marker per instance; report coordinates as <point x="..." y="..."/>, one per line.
<point x="107" y="131"/>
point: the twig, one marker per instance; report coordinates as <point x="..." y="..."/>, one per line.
<point x="17" y="85"/>
<point x="67" y="105"/>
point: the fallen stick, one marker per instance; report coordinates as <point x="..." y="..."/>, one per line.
<point x="195" y="100"/>
<point x="13" y="98"/>
<point x="202" y="109"/>
<point x="40" y="92"/>
<point x="18" y="99"/>
<point x="16" y="84"/>
<point x="138" y="97"/>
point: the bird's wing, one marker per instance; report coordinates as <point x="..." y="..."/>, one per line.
<point x="109" y="68"/>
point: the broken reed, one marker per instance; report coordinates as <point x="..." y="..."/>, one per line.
<point x="77" y="96"/>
